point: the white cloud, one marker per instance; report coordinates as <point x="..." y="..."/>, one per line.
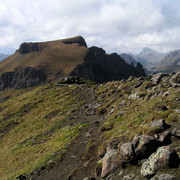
<point x="119" y="25"/>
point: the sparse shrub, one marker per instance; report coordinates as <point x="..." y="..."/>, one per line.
<point x="101" y="110"/>
<point x="91" y="145"/>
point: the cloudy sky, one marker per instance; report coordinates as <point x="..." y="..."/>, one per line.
<point x="115" y="25"/>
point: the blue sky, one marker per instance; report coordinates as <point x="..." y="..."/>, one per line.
<point x="117" y="26"/>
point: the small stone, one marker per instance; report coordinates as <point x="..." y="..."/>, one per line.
<point x="175" y="132"/>
<point x="161" y="108"/>
<point x="165" y="137"/>
<point x="165" y="94"/>
<point x="21" y="177"/>
<point x="128" y="177"/>
<point x="158" y="123"/>
<point x="90" y="178"/>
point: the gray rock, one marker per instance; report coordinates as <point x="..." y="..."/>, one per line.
<point x="158" y="123"/>
<point x="127" y="153"/>
<point x="164" y="157"/>
<point x="156" y="78"/>
<point x="165" y="137"/>
<point x="163" y="177"/>
<point x="144" y="146"/>
<point x="175" y="132"/>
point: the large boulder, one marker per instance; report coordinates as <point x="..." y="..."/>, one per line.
<point x="164" y="157"/>
<point x="110" y="162"/>
<point x="144" y="146"/>
<point x="127" y="154"/>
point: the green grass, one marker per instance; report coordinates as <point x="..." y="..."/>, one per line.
<point x="139" y="113"/>
<point x="41" y="126"/>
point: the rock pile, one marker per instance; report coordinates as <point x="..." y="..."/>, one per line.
<point x="72" y="80"/>
<point x="159" y="154"/>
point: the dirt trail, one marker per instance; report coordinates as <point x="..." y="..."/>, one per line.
<point x="77" y="161"/>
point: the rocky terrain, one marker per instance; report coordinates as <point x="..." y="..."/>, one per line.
<point x="77" y="129"/>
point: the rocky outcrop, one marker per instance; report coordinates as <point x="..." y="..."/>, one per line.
<point x="28" y="47"/>
<point x="71" y="80"/>
<point x="100" y="67"/>
<point x="79" y="40"/>
<point x="165" y="157"/>
<point x="22" y="78"/>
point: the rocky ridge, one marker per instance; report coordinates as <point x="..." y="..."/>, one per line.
<point x="68" y="57"/>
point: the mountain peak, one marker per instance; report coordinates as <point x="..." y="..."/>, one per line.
<point x="146" y="50"/>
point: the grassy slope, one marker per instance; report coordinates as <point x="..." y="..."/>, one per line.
<point x="132" y="116"/>
<point x="37" y="124"/>
<point x="40" y="123"/>
<point x="53" y="56"/>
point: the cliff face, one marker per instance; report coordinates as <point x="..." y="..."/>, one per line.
<point x="23" y="78"/>
<point x="100" y="67"/>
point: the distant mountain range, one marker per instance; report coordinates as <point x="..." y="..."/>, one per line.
<point x="154" y="61"/>
<point x="3" y="56"/>
<point x="170" y="63"/>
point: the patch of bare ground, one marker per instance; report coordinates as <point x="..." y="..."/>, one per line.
<point x="81" y="157"/>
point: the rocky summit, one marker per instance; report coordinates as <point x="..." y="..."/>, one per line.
<point x="77" y="129"/>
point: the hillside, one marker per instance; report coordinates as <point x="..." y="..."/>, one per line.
<point x="170" y="63"/>
<point x="55" y="58"/>
<point x="73" y="131"/>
